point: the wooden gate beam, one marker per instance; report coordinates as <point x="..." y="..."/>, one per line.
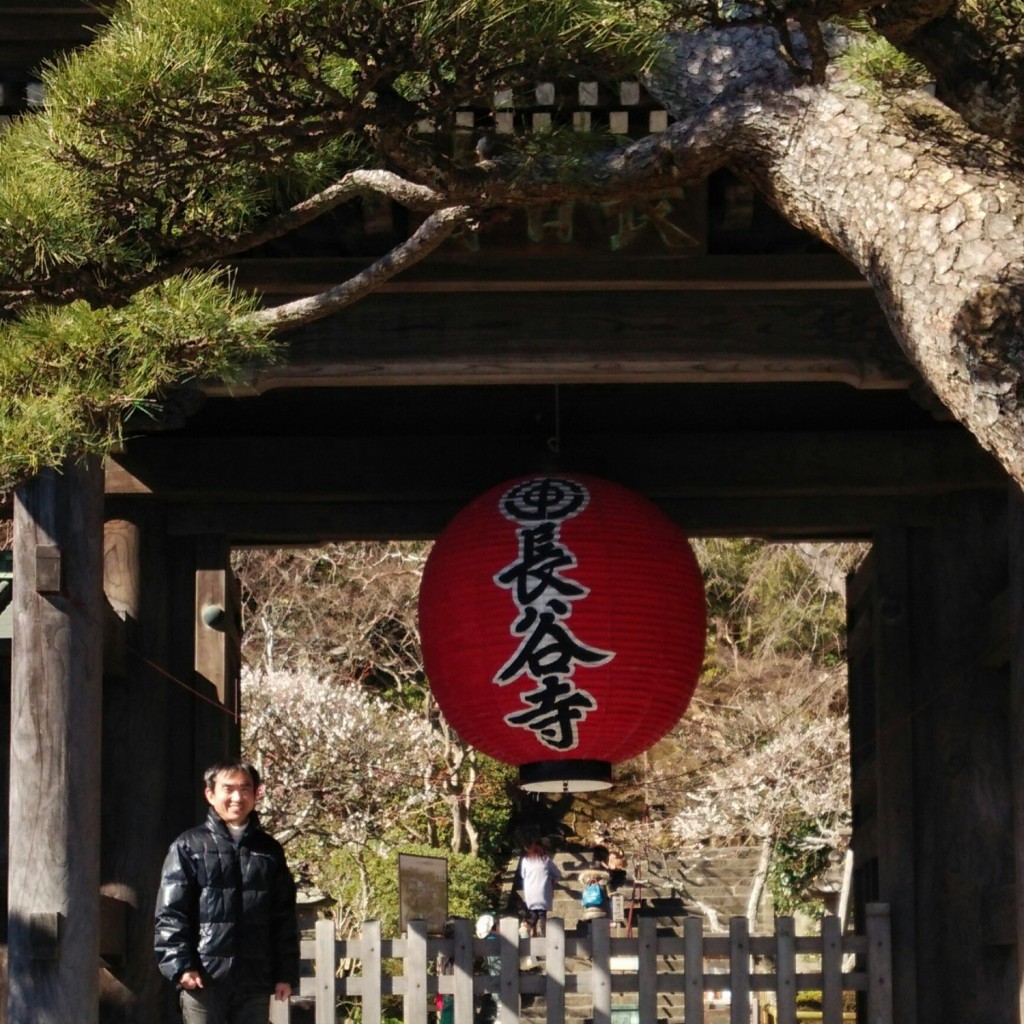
<point x="702" y="319"/>
<point x="603" y="336"/>
<point x="756" y="463"/>
<point x="316" y="522"/>
<point x="53" y="931"/>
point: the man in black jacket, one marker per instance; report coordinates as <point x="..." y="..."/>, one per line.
<point x="226" y="930"/>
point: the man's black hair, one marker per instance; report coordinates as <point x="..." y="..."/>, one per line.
<point x="230" y="765"/>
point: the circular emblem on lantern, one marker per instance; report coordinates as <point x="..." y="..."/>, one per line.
<point x="562" y="621"/>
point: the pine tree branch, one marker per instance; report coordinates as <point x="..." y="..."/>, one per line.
<point x="409" y="194"/>
<point x="427" y="237"/>
<point x="353" y="184"/>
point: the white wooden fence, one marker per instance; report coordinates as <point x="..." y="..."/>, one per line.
<point x="603" y="965"/>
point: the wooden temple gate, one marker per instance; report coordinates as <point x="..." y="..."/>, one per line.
<point x="731" y="369"/>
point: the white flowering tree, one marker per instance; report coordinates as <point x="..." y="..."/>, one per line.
<point x="343" y="768"/>
<point x="347" y="613"/>
<point x="341" y="765"/>
<point x="778" y="755"/>
<point x="760" y="757"/>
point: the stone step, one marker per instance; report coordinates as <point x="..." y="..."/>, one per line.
<point x="674" y="886"/>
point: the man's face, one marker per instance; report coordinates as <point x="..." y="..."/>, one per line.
<point x="232" y="797"/>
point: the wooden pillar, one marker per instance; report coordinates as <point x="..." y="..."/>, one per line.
<point x="147" y="759"/>
<point x="943" y="765"/>
<point x="53" y="924"/>
<point x="963" y="794"/>
<point x="217" y="634"/>
<point x="894" y="752"/>
<point x="1016" y="723"/>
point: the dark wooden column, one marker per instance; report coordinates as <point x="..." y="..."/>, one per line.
<point x="931" y="754"/>
<point x="1016" y="720"/>
<point x="963" y="795"/>
<point x="939" y="782"/>
<point x="147" y="759"/>
<point x="217" y="652"/>
<point x="53" y="929"/>
<point x="882" y="702"/>
<point x="894" y="707"/>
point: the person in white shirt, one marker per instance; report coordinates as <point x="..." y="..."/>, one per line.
<point x="538" y="874"/>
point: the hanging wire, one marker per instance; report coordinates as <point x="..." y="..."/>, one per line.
<point x="555" y="441"/>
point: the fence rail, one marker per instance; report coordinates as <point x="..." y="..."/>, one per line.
<point x="601" y="965"/>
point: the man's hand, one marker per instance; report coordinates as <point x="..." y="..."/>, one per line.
<point x="282" y="991"/>
<point x="191" y="980"/>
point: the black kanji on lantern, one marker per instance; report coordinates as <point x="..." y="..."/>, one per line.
<point x="555" y="709"/>
<point x="548" y="652"/>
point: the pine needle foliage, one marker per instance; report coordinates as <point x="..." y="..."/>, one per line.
<point x="189" y="123"/>
<point x="877" y="63"/>
<point x="186" y="123"/>
<point x="69" y="373"/>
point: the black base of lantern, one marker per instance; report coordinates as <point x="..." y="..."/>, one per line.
<point x="565" y="776"/>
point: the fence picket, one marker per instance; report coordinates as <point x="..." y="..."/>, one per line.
<point x="554" y="967"/>
<point x="647" y="972"/>
<point x="462" y="966"/>
<point x="785" y="969"/>
<point x="600" y="955"/>
<point x="325" y="973"/>
<point x="693" y="940"/>
<point x="831" y="971"/>
<point x="415" y="973"/>
<point x="508" y="993"/>
<point x="280" y="1011"/>
<point x="739" y="971"/>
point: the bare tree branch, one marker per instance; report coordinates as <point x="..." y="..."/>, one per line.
<point x="427" y="237"/>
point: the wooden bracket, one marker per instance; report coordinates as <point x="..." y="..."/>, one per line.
<point x="49" y="570"/>
<point x="44" y="930"/>
<point x="113" y="929"/>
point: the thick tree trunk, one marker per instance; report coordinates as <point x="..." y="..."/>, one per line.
<point x="931" y="213"/>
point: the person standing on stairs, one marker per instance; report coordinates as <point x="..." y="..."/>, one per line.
<point x="538" y="873"/>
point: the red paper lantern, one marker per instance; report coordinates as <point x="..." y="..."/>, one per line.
<point x="562" y="621"/>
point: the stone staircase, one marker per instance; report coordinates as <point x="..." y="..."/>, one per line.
<point x="715" y="884"/>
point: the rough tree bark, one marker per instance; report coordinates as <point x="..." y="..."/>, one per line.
<point x="928" y="210"/>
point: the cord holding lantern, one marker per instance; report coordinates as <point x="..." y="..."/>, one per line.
<point x="562" y="620"/>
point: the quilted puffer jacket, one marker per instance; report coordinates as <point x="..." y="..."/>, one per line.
<point x="227" y="910"/>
